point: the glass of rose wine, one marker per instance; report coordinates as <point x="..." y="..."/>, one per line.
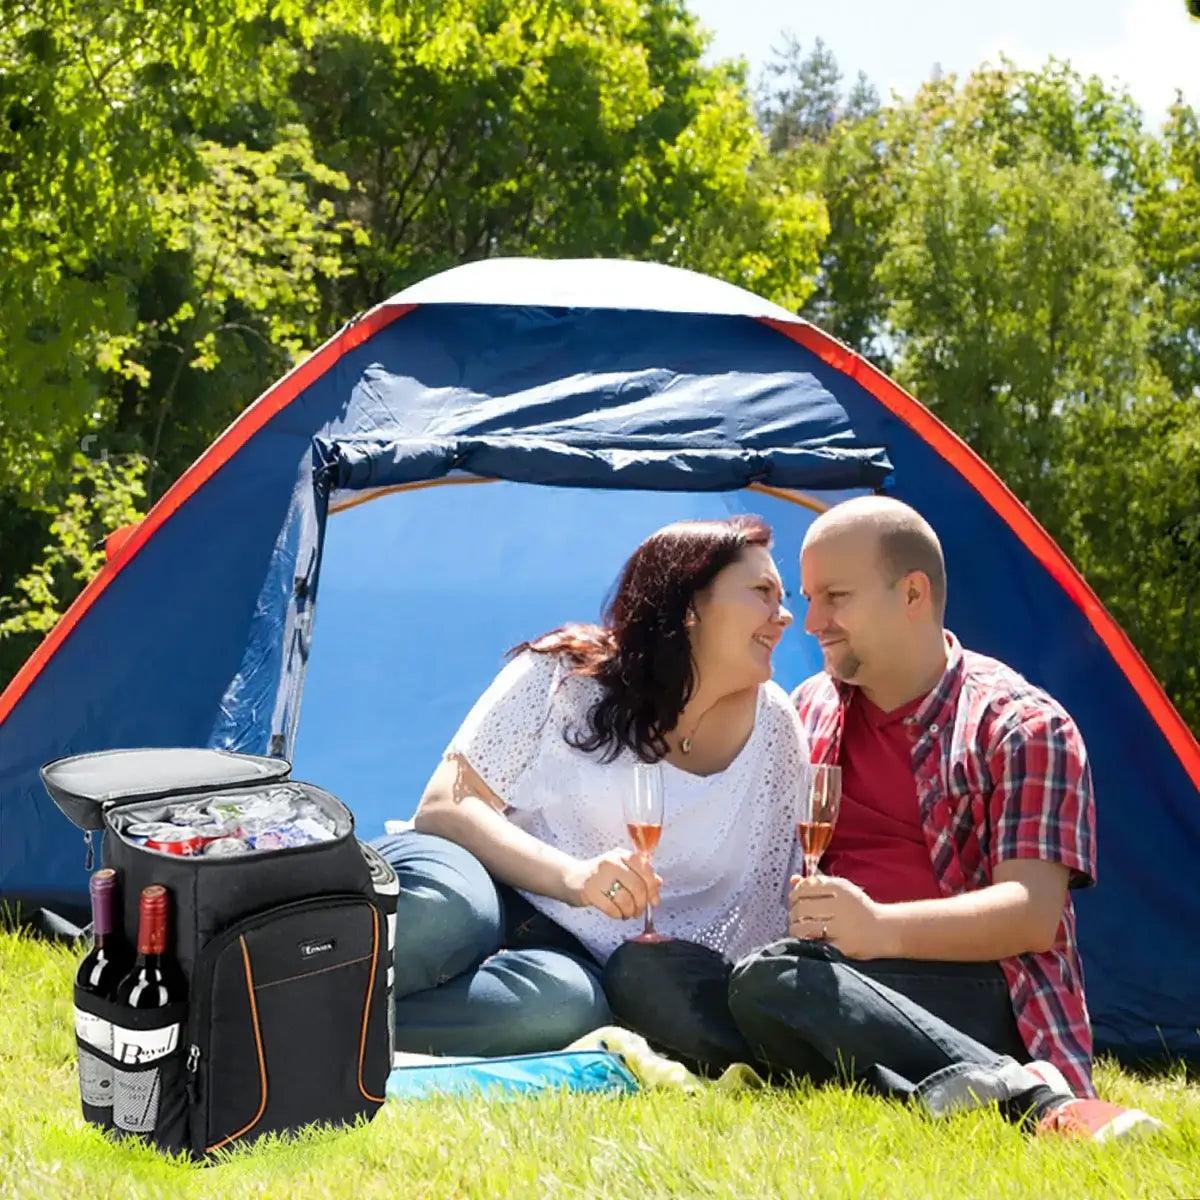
<point x="644" y="821"/>
<point x="817" y="802"/>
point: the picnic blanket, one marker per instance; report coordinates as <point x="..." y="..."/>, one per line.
<point x="609" y="1059"/>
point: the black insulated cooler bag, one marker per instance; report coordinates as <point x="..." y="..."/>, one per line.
<point x="286" y="953"/>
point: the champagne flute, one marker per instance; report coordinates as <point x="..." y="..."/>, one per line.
<point x="817" y="801"/>
<point x="644" y="820"/>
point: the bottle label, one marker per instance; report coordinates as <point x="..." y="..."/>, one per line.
<point x="94" y="1030"/>
<point x="95" y="1076"/>
<point x="135" y="1100"/>
<point x="137" y="1046"/>
<point x="136" y="1093"/>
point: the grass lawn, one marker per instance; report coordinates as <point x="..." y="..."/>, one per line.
<point x="781" y="1143"/>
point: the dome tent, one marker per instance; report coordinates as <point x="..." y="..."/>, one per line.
<point x="598" y="399"/>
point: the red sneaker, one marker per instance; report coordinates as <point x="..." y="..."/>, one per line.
<point x="1097" y="1120"/>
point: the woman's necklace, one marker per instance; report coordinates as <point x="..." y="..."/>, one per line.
<point x="685" y="745"/>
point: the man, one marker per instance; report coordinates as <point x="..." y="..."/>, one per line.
<point x="938" y="950"/>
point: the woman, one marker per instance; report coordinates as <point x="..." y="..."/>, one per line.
<point x="518" y="882"/>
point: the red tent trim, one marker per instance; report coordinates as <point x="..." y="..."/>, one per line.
<point x="1018" y="518"/>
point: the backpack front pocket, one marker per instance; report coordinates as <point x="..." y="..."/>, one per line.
<point x="291" y="1021"/>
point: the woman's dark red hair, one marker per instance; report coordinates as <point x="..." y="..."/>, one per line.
<point x="640" y="654"/>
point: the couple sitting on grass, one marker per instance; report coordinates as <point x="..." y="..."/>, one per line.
<point x="934" y="958"/>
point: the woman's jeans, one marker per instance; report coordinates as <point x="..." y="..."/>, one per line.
<point x="478" y="969"/>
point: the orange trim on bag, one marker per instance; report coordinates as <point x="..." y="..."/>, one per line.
<point x="362" y="1043"/>
<point x="262" y="1065"/>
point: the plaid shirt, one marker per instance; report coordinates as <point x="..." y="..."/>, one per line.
<point x="1001" y="773"/>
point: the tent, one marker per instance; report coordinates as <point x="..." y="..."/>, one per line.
<point x="465" y="466"/>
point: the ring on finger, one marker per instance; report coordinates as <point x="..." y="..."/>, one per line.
<point x="613" y="888"/>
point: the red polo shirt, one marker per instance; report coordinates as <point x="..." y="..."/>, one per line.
<point x="878" y="842"/>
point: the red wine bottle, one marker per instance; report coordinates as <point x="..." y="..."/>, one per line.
<point x="155" y="981"/>
<point x="98" y="975"/>
<point x="108" y="961"/>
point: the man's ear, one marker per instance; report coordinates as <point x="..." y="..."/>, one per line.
<point x="916" y="584"/>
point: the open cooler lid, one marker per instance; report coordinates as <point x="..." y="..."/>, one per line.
<point x="84" y="785"/>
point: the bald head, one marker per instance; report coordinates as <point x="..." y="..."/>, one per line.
<point x="905" y="541"/>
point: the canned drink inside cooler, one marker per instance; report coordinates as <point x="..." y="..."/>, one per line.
<point x="260" y="816"/>
<point x="313" y="829"/>
<point x="225" y="847"/>
<point x="279" y="837"/>
<point x="152" y="829"/>
<point x="182" y="840"/>
<point x="189" y="814"/>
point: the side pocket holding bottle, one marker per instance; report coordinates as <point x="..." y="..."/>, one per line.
<point x="149" y="1055"/>
<point x="94" y="1044"/>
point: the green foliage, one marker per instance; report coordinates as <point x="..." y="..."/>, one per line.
<point x="103" y="494"/>
<point x="1020" y="303"/>
<point x="1167" y="221"/>
<point x="97" y="101"/>
<point x="578" y="129"/>
<point x="1021" y="253"/>
<point x="244" y="252"/>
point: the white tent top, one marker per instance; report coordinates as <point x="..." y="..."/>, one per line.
<point x="588" y="283"/>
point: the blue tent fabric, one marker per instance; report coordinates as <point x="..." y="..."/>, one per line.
<point x="607" y="397"/>
<point x="363" y="463"/>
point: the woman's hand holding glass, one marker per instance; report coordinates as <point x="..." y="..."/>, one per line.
<point x="619" y="883"/>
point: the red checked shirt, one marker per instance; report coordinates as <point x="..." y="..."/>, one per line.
<point x="1001" y="773"/>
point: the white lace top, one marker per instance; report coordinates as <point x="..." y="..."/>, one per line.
<point x="727" y="841"/>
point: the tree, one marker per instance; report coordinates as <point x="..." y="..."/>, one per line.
<point x="1016" y="300"/>
<point x="1019" y="250"/>
<point x="1167" y="224"/>
<point x="103" y="494"/>
<point x="98" y="101"/>
<point x="234" y="294"/>
<point x="587" y="128"/>
<point x="800" y="95"/>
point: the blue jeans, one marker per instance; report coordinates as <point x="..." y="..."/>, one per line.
<point x="478" y="969"/>
<point x="942" y="1034"/>
<point x="806" y="1009"/>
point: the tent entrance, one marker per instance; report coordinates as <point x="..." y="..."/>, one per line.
<point x="424" y="588"/>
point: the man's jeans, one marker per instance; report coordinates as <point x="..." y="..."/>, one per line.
<point x="478" y="969"/>
<point x="941" y="1033"/>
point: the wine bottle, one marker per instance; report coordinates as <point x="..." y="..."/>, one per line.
<point x="155" y="981"/>
<point x="98" y="975"/>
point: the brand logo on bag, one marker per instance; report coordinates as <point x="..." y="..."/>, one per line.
<point x="308" y="949"/>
